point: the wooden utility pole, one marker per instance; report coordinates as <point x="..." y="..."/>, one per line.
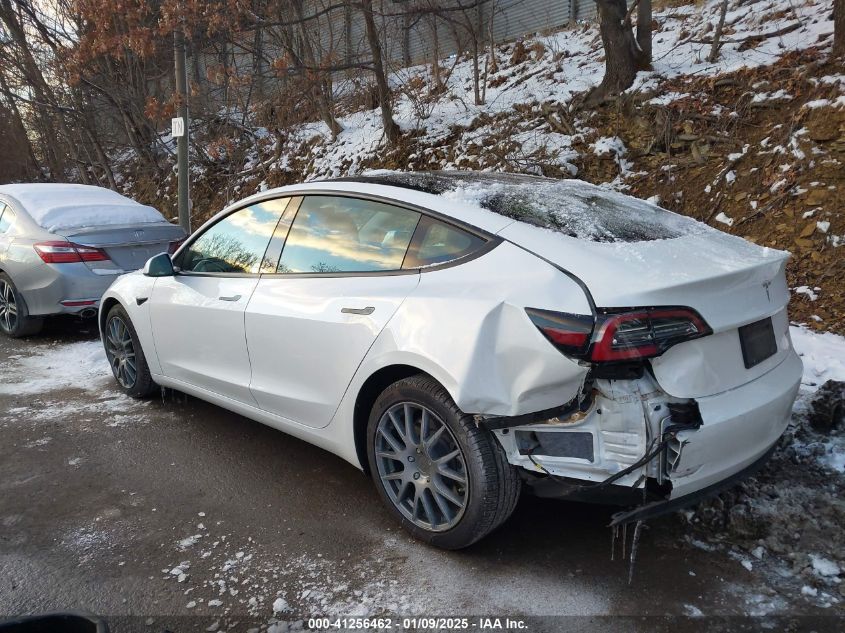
<point x="183" y="172"/>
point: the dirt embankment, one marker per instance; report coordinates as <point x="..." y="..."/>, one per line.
<point x="758" y="153"/>
<point x="755" y="153"/>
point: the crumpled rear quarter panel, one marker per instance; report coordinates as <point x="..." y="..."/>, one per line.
<point x="470" y="321"/>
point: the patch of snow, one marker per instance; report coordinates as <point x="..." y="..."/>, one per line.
<point x="190" y="541"/>
<point x="823" y="566"/>
<point x="724" y="219"/>
<point x="806" y="290"/>
<point x="822" y="353"/>
<point x="47" y="369"/>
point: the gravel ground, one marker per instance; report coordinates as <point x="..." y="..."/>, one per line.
<point x="174" y="514"/>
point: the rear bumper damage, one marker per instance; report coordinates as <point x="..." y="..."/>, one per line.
<point x="628" y="443"/>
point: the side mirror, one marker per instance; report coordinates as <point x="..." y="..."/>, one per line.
<point x="159" y="266"/>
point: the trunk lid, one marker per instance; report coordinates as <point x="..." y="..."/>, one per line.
<point x="128" y="246"/>
<point x="729" y="281"/>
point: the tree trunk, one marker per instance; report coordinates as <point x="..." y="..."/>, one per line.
<point x="644" y="29"/>
<point x="322" y="96"/>
<point x="839" y="27"/>
<point x="18" y="125"/>
<point x="391" y="130"/>
<point x="717" y="34"/>
<point x="623" y="57"/>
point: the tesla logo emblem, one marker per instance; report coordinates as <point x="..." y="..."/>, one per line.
<point x="766" y="285"/>
<point x="138" y="234"/>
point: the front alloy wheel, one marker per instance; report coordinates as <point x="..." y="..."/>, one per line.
<point x="421" y="466"/>
<point x="125" y="356"/>
<point x="120" y="351"/>
<point x="447" y="480"/>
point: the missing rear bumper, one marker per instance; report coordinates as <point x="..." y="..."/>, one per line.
<point x="659" y="507"/>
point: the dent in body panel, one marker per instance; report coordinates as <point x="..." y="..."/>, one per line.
<point x="470" y="322"/>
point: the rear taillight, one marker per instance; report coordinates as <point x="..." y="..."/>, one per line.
<point x="68" y="253"/>
<point x="570" y="333"/>
<point x="620" y="336"/>
<point x="174" y="246"/>
<point x="645" y="333"/>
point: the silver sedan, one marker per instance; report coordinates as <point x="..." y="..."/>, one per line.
<point x="62" y="245"/>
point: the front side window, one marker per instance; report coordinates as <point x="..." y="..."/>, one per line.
<point x="333" y="234"/>
<point x="439" y="243"/>
<point x="7" y="216"/>
<point x="237" y="243"/>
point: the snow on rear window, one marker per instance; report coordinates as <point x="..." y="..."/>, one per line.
<point x="571" y="207"/>
<point x="58" y="207"/>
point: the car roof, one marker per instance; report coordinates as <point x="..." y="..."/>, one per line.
<point x="493" y="201"/>
<point x="462" y="211"/>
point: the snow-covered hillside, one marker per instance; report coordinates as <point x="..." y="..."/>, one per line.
<point x="752" y="144"/>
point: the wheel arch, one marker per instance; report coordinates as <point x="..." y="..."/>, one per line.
<point x="370" y="390"/>
<point x="107" y="304"/>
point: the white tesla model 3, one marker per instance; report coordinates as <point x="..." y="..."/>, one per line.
<point x="463" y="336"/>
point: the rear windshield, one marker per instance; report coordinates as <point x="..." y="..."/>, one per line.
<point x="571" y="207"/>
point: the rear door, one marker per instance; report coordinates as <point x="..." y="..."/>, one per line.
<point x="337" y="284"/>
<point x="197" y="316"/>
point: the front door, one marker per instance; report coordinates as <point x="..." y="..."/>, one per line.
<point x="197" y="316"/>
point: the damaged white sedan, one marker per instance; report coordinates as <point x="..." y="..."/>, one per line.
<point x="463" y="336"/>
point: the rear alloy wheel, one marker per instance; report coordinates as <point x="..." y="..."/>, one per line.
<point x="14" y="317"/>
<point x="446" y="480"/>
<point x="125" y="356"/>
<point x="421" y="467"/>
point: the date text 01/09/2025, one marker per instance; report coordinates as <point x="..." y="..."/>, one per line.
<point x="418" y="623"/>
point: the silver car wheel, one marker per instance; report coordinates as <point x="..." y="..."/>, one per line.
<point x="8" y="307"/>
<point x="421" y="467"/>
<point x="120" y="351"/>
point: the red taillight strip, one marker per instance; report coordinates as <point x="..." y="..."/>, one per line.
<point x="58" y="252"/>
<point x="603" y="351"/>
<point x="570" y="333"/>
<point x="575" y="335"/>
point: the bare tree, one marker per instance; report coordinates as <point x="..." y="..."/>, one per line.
<point x="623" y="55"/>
<point x="644" y="28"/>
<point x="717" y="34"/>
<point x="391" y="130"/>
<point x="839" y="27"/>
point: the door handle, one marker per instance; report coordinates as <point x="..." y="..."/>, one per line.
<point x="367" y="310"/>
<point x="232" y="298"/>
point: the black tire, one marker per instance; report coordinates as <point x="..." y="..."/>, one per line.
<point x="493" y="486"/>
<point x="18" y="323"/>
<point x="137" y="384"/>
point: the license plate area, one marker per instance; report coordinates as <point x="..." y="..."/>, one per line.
<point x="758" y="342"/>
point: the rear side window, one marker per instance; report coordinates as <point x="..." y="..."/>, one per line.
<point x="7" y="217"/>
<point x="334" y="234"/>
<point x="438" y="243"/>
<point x="237" y="243"/>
